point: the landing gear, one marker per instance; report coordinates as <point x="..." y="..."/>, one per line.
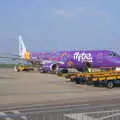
<point x="61" y="71"/>
<point x="64" y="70"/>
<point x="87" y="66"/>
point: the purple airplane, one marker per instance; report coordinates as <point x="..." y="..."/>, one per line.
<point x="78" y="59"/>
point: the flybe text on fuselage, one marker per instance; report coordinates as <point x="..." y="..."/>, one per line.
<point x="82" y="57"/>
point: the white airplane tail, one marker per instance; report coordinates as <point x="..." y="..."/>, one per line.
<point x="22" y="48"/>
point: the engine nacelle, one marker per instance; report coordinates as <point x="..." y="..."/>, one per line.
<point x="49" y="67"/>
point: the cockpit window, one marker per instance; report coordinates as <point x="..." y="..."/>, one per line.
<point x="113" y="54"/>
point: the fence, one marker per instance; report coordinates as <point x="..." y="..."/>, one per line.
<point x="76" y="114"/>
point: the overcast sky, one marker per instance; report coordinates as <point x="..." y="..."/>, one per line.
<point x="48" y="25"/>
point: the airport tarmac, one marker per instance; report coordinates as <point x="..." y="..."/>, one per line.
<point x="99" y="110"/>
<point x="44" y="96"/>
<point x="22" y="88"/>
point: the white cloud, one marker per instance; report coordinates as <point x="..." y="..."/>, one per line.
<point x="86" y="11"/>
<point x="62" y="13"/>
<point x="70" y="13"/>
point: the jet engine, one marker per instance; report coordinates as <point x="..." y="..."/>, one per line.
<point x="49" y="67"/>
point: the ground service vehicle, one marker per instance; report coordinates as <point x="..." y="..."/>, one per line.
<point x="103" y="78"/>
<point x="24" y="66"/>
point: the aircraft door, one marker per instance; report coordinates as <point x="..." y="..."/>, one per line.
<point x="99" y="57"/>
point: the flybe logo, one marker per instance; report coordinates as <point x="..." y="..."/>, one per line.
<point x="83" y="57"/>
